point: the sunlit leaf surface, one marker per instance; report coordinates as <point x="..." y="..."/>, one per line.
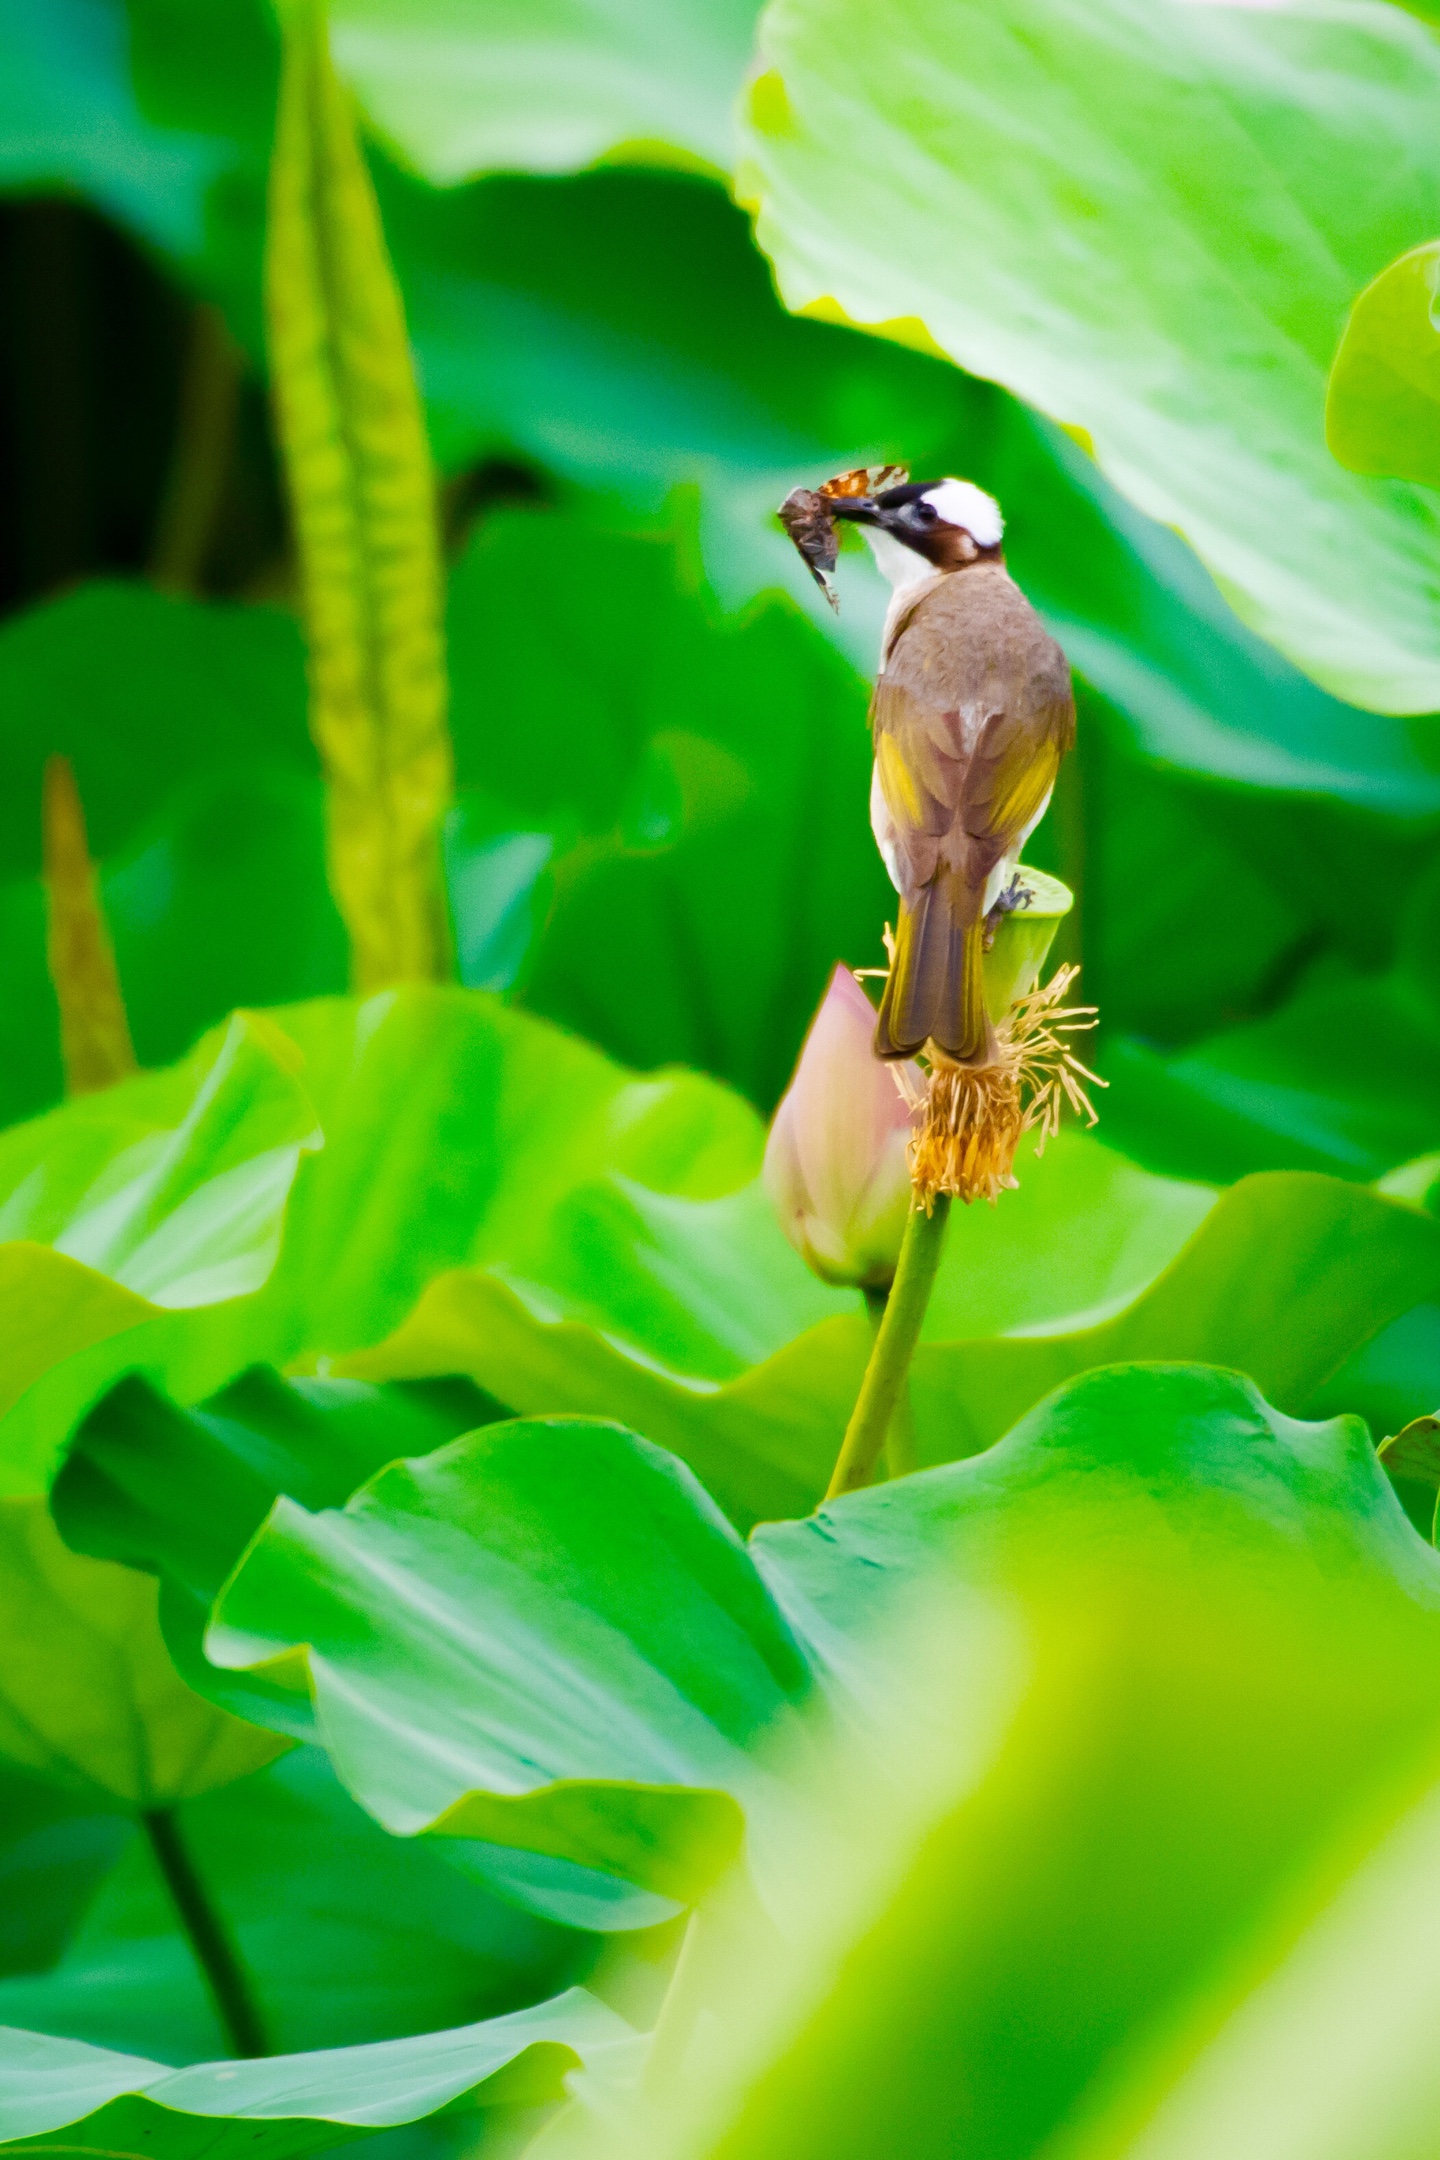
<point x="1150" y="222"/>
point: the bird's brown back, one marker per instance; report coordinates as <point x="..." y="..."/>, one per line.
<point x="972" y="716"/>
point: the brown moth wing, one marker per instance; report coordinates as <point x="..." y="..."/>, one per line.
<point x="865" y="480"/>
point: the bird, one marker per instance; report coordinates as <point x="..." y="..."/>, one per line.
<point x="972" y="714"/>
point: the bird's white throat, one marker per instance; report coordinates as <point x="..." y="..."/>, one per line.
<point x="900" y="564"/>
<point x="909" y="576"/>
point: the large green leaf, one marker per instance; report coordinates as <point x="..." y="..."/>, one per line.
<point x="1149" y="222"/>
<point x="453" y="1132"/>
<point x="552" y="1615"/>
<point x="289" y="2103"/>
<point x="1286" y="1279"/>
<point x="175" y="1185"/>
<point x="562" y="1712"/>
<point x="458" y="89"/>
<point x="181" y="1492"/>
<point x="1188" y="1459"/>
<point x="343" y="1933"/>
<point x="88" y="1695"/>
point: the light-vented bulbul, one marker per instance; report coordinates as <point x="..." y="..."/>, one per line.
<point x="972" y="713"/>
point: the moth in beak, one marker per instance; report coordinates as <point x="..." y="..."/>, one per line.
<point x="808" y="516"/>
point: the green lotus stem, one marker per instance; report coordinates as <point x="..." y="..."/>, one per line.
<point x="205" y="1932"/>
<point x="200" y="462"/>
<point x="900" y="1455"/>
<point x="895" y="1340"/>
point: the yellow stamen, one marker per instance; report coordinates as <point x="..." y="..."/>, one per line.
<point x="975" y="1115"/>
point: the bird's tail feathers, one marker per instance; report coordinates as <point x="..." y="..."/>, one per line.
<point x="936" y="990"/>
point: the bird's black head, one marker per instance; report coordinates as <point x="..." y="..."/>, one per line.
<point x="948" y="523"/>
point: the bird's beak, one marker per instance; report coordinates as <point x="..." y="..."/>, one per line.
<point x="859" y="509"/>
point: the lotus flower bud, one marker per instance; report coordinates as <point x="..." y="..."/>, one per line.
<point x="836" y="1165"/>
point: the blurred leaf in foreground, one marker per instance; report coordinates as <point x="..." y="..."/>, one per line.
<point x="1207" y="1961"/>
<point x="1185" y="1814"/>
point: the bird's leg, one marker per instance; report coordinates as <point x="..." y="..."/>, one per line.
<point x="1016" y="895"/>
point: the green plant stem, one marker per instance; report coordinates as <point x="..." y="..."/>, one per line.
<point x="895" y="1341"/>
<point x="200" y="462"/>
<point x="214" y="1952"/>
<point x="900" y="1454"/>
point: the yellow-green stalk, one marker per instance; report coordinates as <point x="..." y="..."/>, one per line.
<point x="95" y="1045"/>
<point x="362" y="492"/>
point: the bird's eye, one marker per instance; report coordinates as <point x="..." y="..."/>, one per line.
<point x="922" y="513"/>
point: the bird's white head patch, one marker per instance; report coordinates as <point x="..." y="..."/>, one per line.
<point x="960" y="502"/>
